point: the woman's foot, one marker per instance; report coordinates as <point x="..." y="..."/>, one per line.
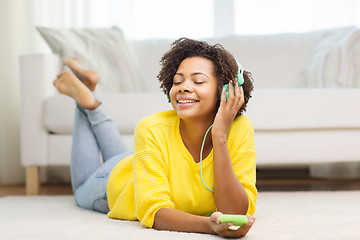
<point x="68" y="84"/>
<point x="89" y="77"/>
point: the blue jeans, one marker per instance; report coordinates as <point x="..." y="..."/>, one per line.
<point x="96" y="148"/>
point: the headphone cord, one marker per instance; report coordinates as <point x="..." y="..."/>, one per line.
<point x="201" y="151"/>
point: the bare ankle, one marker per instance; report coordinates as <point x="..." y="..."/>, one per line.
<point x="94" y="105"/>
<point x="86" y="99"/>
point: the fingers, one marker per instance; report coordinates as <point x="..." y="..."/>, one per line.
<point x="215" y="217"/>
<point x="245" y="228"/>
<point x="228" y="230"/>
<point x="242" y="97"/>
<point x="239" y="95"/>
<point x="220" y="228"/>
<point x="223" y="97"/>
<point x="232" y="86"/>
<point x="236" y="97"/>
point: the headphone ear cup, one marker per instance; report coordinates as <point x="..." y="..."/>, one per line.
<point x="226" y="86"/>
<point x="239" y="78"/>
<point x="240" y="75"/>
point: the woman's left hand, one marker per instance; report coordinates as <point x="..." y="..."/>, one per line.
<point x="228" y="109"/>
<point x="227" y="229"/>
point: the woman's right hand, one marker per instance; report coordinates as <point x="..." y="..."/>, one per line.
<point x="223" y="229"/>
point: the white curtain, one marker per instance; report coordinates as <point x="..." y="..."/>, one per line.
<point x="13" y="41"/>
<point x="18" y="36"/>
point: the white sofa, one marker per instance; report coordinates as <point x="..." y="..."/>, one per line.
<point x="296" y="122"/>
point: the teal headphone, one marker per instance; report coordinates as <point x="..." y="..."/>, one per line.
<point x="239" y="78"/>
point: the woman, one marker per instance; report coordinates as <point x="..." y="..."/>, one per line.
<point x="176" y="178"/>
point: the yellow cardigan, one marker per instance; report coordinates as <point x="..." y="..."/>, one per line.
<point x="162" y="173"/>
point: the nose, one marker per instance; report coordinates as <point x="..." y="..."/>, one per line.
<point x="183" y="90"/>
<point x="185" y="87"/>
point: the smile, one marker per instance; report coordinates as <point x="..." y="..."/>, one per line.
<point x="186" y="101"/>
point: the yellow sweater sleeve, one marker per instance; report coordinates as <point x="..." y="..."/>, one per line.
<point x="243" y="158"/>
<point x="151" y="185"/>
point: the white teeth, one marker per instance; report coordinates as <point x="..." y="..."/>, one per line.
<point x="186" y="101"/>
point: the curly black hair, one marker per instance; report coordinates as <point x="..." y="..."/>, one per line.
<point x="225" y="65"/>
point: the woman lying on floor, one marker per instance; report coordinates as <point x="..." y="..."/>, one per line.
<point x="165" y="182"/>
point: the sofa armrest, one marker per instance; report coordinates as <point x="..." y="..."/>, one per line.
<point x="37" y="72"/>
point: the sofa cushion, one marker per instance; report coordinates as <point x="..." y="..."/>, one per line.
<point x="269" y="109"/>
<point x="334" y="60"/>
<point x="105" y="50"/>
<point x="276" y="60"/>
<point x="292" y="109"/>
<point x="306" y="147"/>
<point x="125" y="110"/>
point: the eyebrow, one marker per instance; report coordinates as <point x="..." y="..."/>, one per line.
<point x="193" y="74"/>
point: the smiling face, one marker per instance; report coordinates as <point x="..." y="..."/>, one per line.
<point x="194" y="94"/>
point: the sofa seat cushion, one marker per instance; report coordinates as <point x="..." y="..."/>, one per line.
<point x="269" y="109"/>
<point x="306" y="147"/>
<point x="125" y="109"/>
<point x="299" y="109"/>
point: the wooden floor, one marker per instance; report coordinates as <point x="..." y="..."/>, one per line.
<point x="300" y="180"/>
<point x="267" y="180"/>
<point x="307" y="185"/>
<point x="18" y="190"/>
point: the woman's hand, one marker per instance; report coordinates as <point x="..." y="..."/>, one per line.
<point x="228" y="109"/>
<point x="225" y="229"/>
